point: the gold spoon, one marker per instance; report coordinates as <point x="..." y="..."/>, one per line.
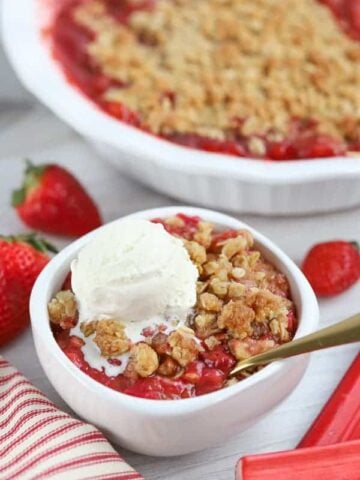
<point x="347" y="331"/>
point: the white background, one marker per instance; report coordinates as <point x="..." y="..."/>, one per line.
<point x="29" y="130"/>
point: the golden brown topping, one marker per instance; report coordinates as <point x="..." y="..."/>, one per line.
<point x="88" y="328"/>
<point x="236" y="290"/>
<point x="266" y="305"/>
<point x="196" y="252"/>
<point x="205" y="324"/>
<point x="210" y="302"/>
<point x="110" y="337"/>
<point x="63" y="309"/>
<point x="210" y="268"/>
<point x="234" y="245"/>
<point x="212" y="342"/>
<point x="221" y="274"/>
<point x="235" y="63"/>
<point x="168" y="367"/>
<point x="278" y="328"/>
<point x="219" y="287"/>
<point x="218" y="267"/>
<point x="184" y="347"/>
<point x="203" y="234"/>
<point x="145" y="359"/>
<point x="201" y="287"/>
<point x="238" y="273"/>
<point x="237" y="318"/>
<point x="247" y="261"/>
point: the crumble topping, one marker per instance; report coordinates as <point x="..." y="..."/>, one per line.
<point x="168" y="368"/>
<point x="205" y="324"/>
<point x="237" y="318"/>
<point x="63" y="309"/>
<point x="109" y="336"/>
<point x="145" y="359"/>
<point x="184" y="348"/>
<point x="247" y="68"/>
<point x="197" y="252"/>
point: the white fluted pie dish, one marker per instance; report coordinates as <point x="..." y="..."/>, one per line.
<point x="209" y="179"/>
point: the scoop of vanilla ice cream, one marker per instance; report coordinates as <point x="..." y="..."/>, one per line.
<point x="133" y="270"/>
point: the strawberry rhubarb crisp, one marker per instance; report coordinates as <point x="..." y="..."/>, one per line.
<point x="260" y="78"/>
<point x="164" y="309"/>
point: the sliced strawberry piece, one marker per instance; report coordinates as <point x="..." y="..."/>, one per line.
<point x="210" y="380"/>
<point x="121" y="112"/>
<point x="193" y="372"/>
<point x="281" y="151"/>
<point x="219" y="359"/>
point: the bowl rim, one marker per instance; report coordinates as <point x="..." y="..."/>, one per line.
<point x="44" y="288"/>
<point x="41" y="74"/>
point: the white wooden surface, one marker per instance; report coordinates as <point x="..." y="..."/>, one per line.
<point x="28" y="130"/>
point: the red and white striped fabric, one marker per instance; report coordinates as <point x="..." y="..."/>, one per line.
<point x="38" y="441"/>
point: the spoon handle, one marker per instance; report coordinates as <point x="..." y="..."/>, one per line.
<point x="347" y="331"/>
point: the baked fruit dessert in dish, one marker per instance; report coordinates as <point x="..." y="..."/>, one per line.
<point x="254" y="78"/>
<point x="164" y="309"/>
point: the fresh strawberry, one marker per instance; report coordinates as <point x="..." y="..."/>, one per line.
<point x="332" y="267"/>
<point x="53" y="201"/>
<point x="21" y="260"/>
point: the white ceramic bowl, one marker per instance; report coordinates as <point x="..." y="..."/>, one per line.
<point x="173" y="427"/>
<point x="213" y="180"/>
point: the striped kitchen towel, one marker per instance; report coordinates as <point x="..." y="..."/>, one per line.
<point x="40" y="442"/>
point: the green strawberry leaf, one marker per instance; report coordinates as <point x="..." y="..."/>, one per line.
<point x="32" y="239"/>
<point x="33" y="175"/>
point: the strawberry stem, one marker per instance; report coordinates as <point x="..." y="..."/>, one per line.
<point x="32" y="239"/>
<point x="33" y="174"/>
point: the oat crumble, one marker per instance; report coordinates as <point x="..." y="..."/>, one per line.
<point x="247" y="68"/>
<point x="145" y="359"/>
<point x="109" y="336"/>
<point x="63" y="309"/>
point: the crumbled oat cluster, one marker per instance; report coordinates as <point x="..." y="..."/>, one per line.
<point x="109" y="336"/>
<point x="219" y="68"/>
<point x="243" y="308"/>
<point x="63" y="309"/>
<point x="145" y="359"/>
